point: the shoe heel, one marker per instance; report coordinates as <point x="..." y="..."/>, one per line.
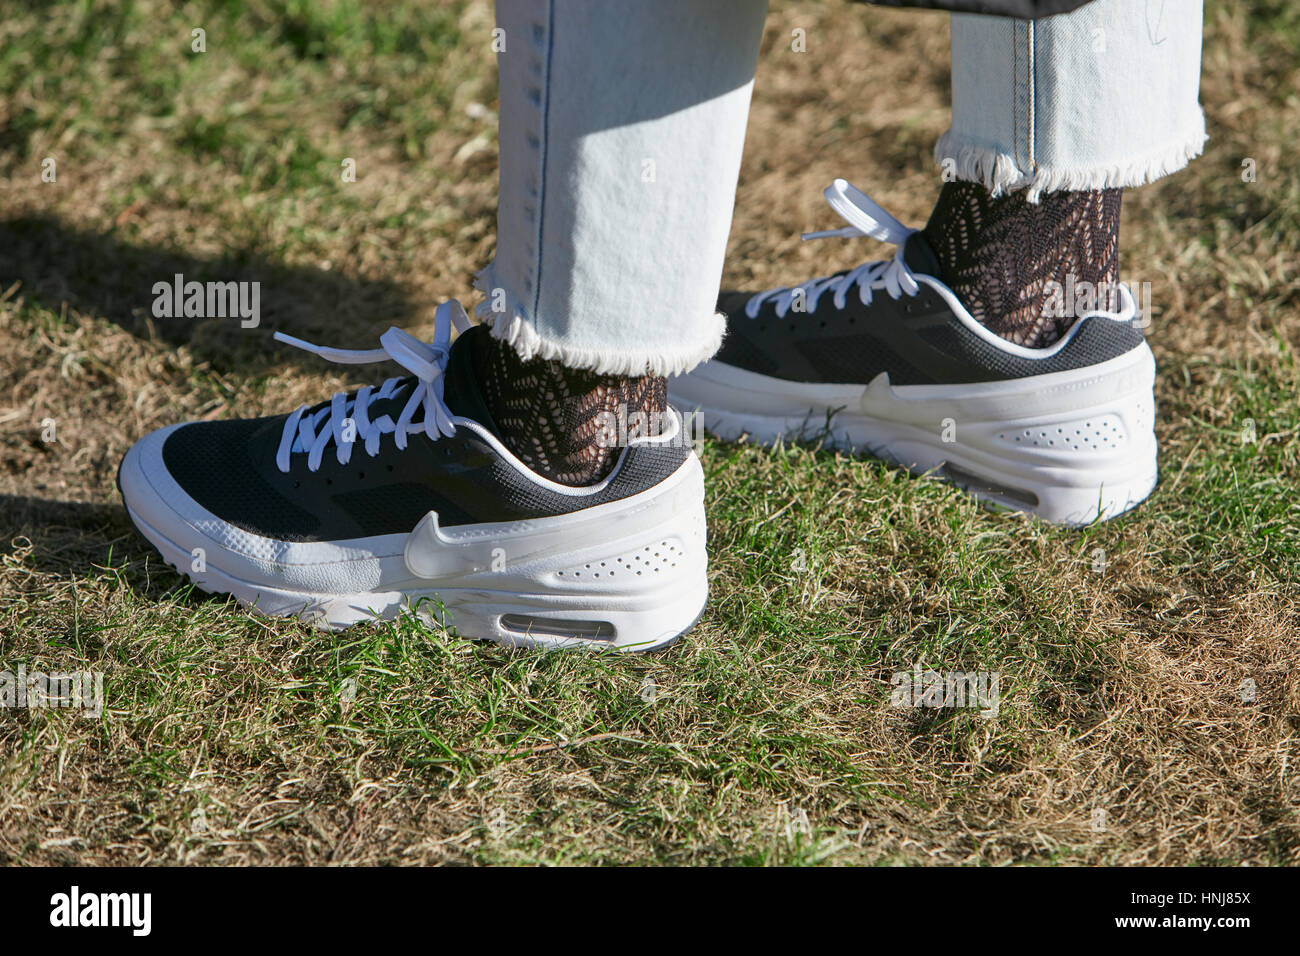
<point x="633" y="578"/>
<point x="1072" y="464"/>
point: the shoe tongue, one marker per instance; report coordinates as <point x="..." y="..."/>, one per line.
<point x="376" y="409"/>
<point x="395" y="403"/>
<point x="920" y="257"/>
<point x="460" y="390"/>
<point x="460" y="385"/>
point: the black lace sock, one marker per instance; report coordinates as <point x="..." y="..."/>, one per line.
<point x="1013" y="263"/>
<point x="551" y="416"/>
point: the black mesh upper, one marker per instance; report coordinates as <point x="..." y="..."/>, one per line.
<point x="229" y="468"/>
<point x="917" y="340"/>
<point x="845" y="358"/>
<point x="1097" y="340"/>
<point x="214" y="463"/>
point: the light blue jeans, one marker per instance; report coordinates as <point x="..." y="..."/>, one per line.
<point x="622" y="124"/>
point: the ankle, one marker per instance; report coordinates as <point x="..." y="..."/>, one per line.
<point x="1008" y="260"/>
<point x="554" y="418"/>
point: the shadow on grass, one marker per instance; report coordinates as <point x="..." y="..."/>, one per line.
<point x="102" y="275"/>
<point x="70" y="538"/>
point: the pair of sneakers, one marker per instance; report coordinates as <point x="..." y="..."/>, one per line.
<point x="402" y="496"/>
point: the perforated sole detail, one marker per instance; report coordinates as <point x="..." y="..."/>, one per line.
<point x="650" y="559"/>
<point x="1098" y="433"/>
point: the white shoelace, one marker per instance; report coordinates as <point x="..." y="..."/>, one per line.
<point x="864" y="218"/>
<point x="345" y="421"/>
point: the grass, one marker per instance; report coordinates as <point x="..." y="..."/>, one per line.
<point x="1149" y="700"/>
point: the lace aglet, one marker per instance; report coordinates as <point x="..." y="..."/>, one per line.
<point x="290" y="340"/>
<point x="847" y="232"/>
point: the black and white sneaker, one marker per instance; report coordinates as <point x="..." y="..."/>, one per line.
<point x="885" y="359"/>
<point x="403" y="497"/>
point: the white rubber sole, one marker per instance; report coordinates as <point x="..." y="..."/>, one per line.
<point x="630" y="575"/>
<point x="1070" y="447"/>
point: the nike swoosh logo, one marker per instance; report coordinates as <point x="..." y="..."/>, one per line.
<point x="433" y="552"/>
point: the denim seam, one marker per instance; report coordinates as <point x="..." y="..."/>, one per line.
<point x="1031" y="80"/>
<point x="545" y="135"/>
<point x="1015" y="91"/>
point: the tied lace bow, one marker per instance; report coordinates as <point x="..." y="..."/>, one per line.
<point x="345" y="421"/>
<point x="865" y="218"/>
